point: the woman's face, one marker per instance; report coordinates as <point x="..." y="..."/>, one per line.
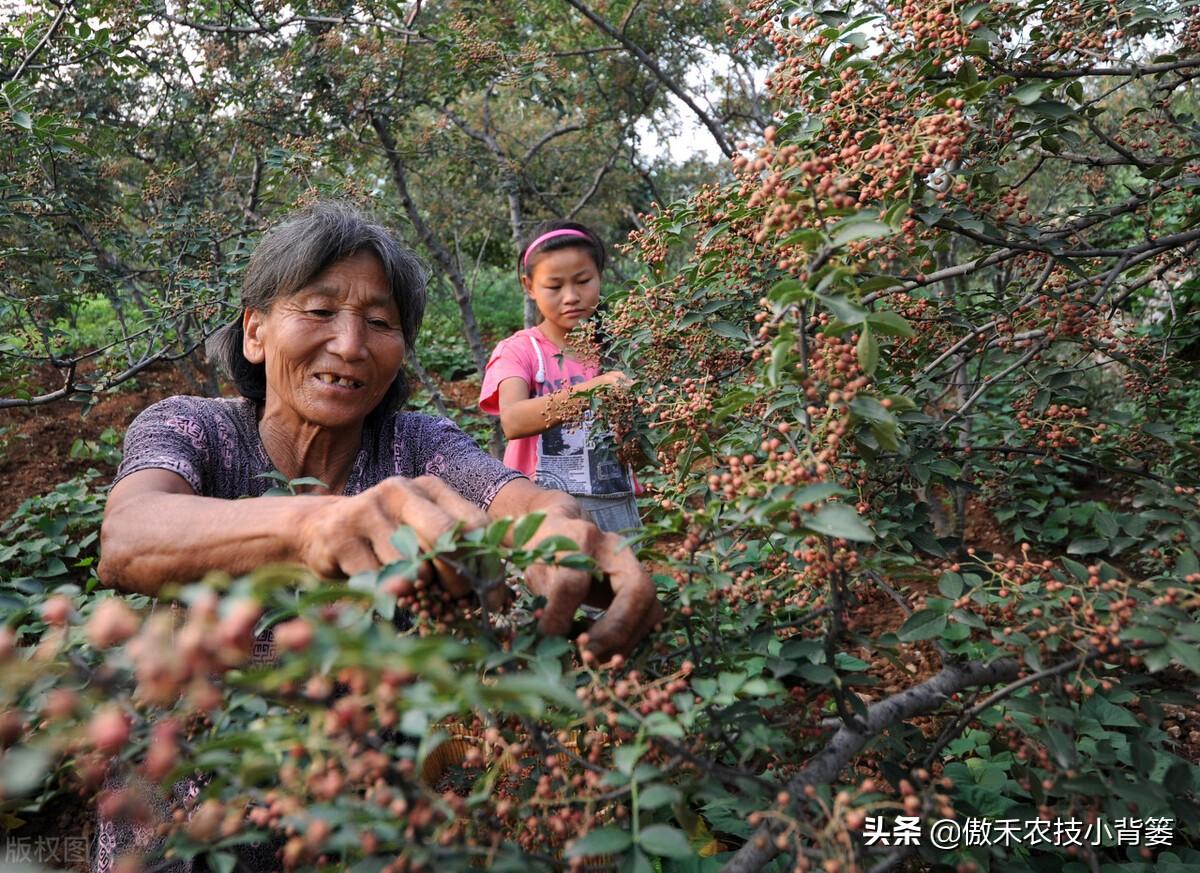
<point x="333" y="348"/>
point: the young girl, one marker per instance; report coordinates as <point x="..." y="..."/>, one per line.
<point x="533" y="375"/>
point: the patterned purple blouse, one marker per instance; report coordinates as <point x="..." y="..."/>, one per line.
<point x="214" y="445"/>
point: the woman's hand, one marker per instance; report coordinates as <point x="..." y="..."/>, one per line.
<point x="629" y="598"/>
<point x="157" y="530"/>
<point x="353" y="534"/>
<point x="627" y="591"/>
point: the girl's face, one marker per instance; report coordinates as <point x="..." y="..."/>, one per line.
<point x="565" y="285"/>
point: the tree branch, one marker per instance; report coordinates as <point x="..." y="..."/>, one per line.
<point x="1134" y="70"/>
<point x="596" y="180"/>
<point x="46" y="37"/>
<point x="714" y="127"/>
<point x="280" y="25"/>
<point x="547" y="137"/>
<point x="825" y="766"/>
<point x="430" y="239"/>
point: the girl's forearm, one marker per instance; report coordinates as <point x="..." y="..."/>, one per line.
<point x="535" y="415"/>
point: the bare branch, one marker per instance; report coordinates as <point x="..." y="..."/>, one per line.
<point x="601" y="172"/>
<point x="825" y="766"/>
<point x="547" y="137"/>
<point x="431" y="240"/>
<point x="427" y="380"/>
<point x="1134" y="70"/>
<point x="46" y="37"/>
<point x="1099" y="161"/>
<point x="280" y="25"/>
<point x="714" y="126"/>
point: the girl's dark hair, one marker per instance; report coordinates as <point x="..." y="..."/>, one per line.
<point x="592" y="243"/>
<point x="294" y="253"/>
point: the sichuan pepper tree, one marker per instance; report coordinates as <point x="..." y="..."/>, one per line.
<point x="923" y="299"/>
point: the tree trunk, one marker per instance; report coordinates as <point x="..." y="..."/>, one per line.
<point x="441" y="254"/>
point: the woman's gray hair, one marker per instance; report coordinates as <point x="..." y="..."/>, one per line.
<point x="294" y="253"/>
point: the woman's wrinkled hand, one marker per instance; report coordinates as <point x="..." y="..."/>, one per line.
<point x="630" y="599"/>
<point x="352" y="535"/>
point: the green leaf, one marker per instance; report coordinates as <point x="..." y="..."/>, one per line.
<point x="840" y="520"/>
<point x="856" y="228"/>
<point x="817" y="674"/>
<point x="849" y="663"/>
<point x="1178" y="779"/>
<point x="971" y="12"/>
<point x="22" y="119"/>
<point x="654" y="796"/>
<point x="1051" y="109"/>
<point x="526" y="528"/>
<point x="888" y="323"/>
<point x="635" y="862"/>
<point x="727" y="330"/>
<point x="715" y="232"/>
<point x="870" y="409"/>
<point x="558" y="543"/>
<point x="816" y="492"/>
<point x="779" y="355"/>
<point x="1108" y="713"/>
<point x="1187" y="654"/>
<point x="312" y="481"/>
<point x="868" y="351"/>
<point x="923" y="625"/>
<point x="950" y="585"/>
<point x="1087" y="546"/>
<point x="1076" y="569"/>
<point x="22" y="770"/>
<point x="1029" y="93"/>
<point x="788" y="290"/>
<point x="605" y="841"/>
<point x="666" y="841"/>
<point x="843" y="310"/>
<point x="221" y="862"/>
<point x="405" y="541"/>
<point x="807" y="236"/>
<point x="1106" y="524"/>
<point x="1187" y="564"/>
<point x="1060" y="746"/>
<point x="626" y="757"/>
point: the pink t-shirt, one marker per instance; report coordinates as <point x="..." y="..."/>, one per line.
<point x="567" y="458"/>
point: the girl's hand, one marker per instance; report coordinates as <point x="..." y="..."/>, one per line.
<point x="614" y="377"/>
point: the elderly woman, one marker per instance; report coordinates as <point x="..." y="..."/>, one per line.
<point x="331" y="304"/>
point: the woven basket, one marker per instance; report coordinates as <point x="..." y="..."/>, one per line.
<point x="452" y="751"/>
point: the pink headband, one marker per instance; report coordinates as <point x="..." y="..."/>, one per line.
<point x="566" y="231"/>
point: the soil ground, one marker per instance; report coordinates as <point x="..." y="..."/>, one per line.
<point x="35" y="442"/>
<point x="35" y="449"/>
